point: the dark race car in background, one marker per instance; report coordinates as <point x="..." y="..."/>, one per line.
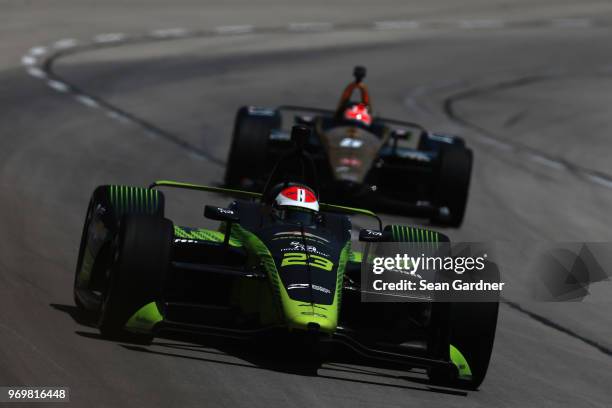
<point x="362" y="160"/>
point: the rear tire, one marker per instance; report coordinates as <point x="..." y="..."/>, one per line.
<point x="249" y="145"/>
<point x="453" y="184"/>
<point x="141" y="256"/>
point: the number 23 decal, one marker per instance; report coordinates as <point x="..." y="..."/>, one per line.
<point x="300" y="258"/>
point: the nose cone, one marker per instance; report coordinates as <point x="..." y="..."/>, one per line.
<point x="306" y="315"/>
<point x="311" y="317"/>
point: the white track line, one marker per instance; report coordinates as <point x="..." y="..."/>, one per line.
<point x="58" y="86"/>
<point x="109" y="37"/>
<point x="397" y="25"/>
<point x="87" y="101"/>
<point x="38" y="51"/>
<point x="545" y="161"/>
<point x="600" y="180"/>
<point x="170" y="32"/>
<point x="28" y="60"/>
<point x="234" y="29"/>
<point x="311" y="26"/>
<point x="37" y="72"/>
<point x="65" y="43"/>
<point x="118" y="117"/>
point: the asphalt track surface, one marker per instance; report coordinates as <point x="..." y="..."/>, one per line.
<point x="527" y="83"/>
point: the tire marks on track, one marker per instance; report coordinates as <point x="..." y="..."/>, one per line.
<point x="554" y="162"/>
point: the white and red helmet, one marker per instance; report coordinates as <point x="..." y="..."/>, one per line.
<point x="360" y="113"/>
<point x="297" y="196"/>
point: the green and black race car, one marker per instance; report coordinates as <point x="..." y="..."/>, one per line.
<point x="280" y="262"/>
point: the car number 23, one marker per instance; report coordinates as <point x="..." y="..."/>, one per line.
<point x="301" y="258"/>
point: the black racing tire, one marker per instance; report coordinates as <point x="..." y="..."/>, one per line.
<point x="141" y="257"/>
<point x="473" y="333"/>
<point x="455" y="171"/>
<point x="249" y="145"/>
<point x="107" y="206"/>
<point x="472" y="327"/>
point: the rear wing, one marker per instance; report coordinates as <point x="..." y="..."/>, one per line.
<point x="257" y="196"/>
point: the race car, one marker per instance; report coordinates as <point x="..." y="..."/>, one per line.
<point x="281" y="263"/>
<point x="364" y="160"/>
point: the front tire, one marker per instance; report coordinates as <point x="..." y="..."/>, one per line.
<point x="82" y="248"/>
<point x="107" y="206"/>
<point x="141" y="257"/>
<point x="472" y="327"/>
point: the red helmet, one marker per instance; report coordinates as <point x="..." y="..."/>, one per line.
<point x="359" y="112"/>
<point x="298" y="196"/>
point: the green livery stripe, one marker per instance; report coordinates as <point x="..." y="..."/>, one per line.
<point x="402" y="233"/>
<point x="465" y="373"/>
<point x="355" y="256"/>
<point x="127" y="200"/>
<point x="201" y="234"/>
<point x="260" y="254"/>
<point x="345" y="256"/>
<point x="144" y="319"/>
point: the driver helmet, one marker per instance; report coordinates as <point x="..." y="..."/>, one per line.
<point x="359" y="112"/>
<point x="297" y="196"/>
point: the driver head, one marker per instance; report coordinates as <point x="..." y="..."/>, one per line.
<point x="360" y="113"/>
<point x="297" y="196"/>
